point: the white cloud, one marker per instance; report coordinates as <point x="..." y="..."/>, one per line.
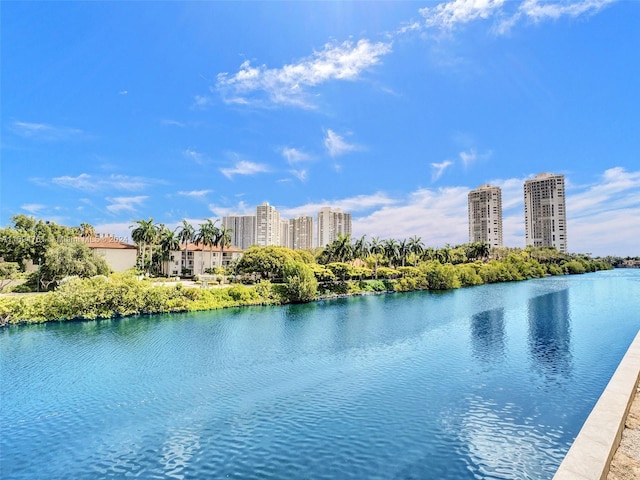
<point x="336" y="144"/>
<point x="193" y="155"/>
<point x="244" y="167"/>
<point x="33" y="208"/>
<point x="300" y="174"/>
<point x="241" y="208"/>
<point x="293" y="155"/>
<point x="359" y="203"/>
<point x="195" y="193"/>
<point x="288" y="85"/>
<point x="448" y="15"/>
<point x="125" y="204"/>
<point x="470" y="157"/>
<point x="200" y="102"/>
<point x="87" y="182"/>
<point x="44" y="131"/>
<point x="437" y="169"/>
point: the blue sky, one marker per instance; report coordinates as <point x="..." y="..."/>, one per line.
<point x="118" y="111"/>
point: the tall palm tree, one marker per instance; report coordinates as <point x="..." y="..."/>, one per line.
<point x="342" y="248"/>
<point x="416" y="247"/>
<point x="145" y="234"/>
<point x="224" y="240"/>
<point x="403" y="250"/>
<point x="208" y="235"/>
<point x="376" y="249"/>
<point x="391" y="251"/>
<point x="361" y="248"/>
<point x="186" y="233"/>
<point x="169" y="242"/>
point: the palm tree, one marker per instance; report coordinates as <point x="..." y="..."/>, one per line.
<point x="186" y="233"/>
<point x="224" y="240"/>
<point x="87" y="230"/>
<point x="391" y="251"/>
<point x="416" y="247"/>
<point x="376" y="248"/>
<point x="361" y="248"/>
<point x="342" y="248"/>
<point x="209" y="235"/>
<point x="403" y="251"/>
<point x="145" y="234"/>
<point x="169" y="242"/>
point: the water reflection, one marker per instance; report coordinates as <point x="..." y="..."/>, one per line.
<point x="487" y="335"/>
<point x="550" y="335"/>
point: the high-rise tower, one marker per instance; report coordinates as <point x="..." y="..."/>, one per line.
<point x="485" y="215"/>
<point x="545" y="216"/>
<point x="331" y="223"/>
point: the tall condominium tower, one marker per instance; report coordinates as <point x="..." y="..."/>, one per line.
<point x="545" y="216"/>
<point x="285" y="234"/>
<point x="485" y="215"/>
<point x="301" y="231"/>
<point x="243" y="230"/>
<point x="331" y="223"/>
<point x="267" y="225"/>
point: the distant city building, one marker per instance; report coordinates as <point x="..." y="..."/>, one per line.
<point x="301" y="233"/>
<point x="545" y="212"/>
<point x="243" y="230"/>
<point x="332" y="223"/>
<point x="485" y="215"/>
<point x="285" y="233"/>
<point x="267" y="225"/>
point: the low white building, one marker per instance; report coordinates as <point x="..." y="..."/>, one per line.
<point x="119" y="255"/>
<point x="195" y="259"/>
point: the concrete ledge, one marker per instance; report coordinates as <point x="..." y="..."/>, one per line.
<point x="590" y="455"/>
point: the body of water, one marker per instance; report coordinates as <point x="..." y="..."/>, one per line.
<point x="490" y="382"/>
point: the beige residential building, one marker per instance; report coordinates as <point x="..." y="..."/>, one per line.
<point x="267" y="225"/>
<point x="197" y="258"/>
<point x="332" y="223"/>
<point x="119" y="255"/>
<point x="243" y="230"/>
<point x="485" y="215"/>
<point x="301" y="233"/>
<point x="545" y="212"/>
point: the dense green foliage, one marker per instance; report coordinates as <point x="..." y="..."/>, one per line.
<point x="342" y="268"/>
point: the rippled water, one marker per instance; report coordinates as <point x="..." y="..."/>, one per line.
<point x="487" y="382"/>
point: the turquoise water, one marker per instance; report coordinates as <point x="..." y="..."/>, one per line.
<point x="486" y="382"/>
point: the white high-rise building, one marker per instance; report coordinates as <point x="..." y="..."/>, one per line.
<point x="485" y="215"/>
<point x="545" y="216"/>
<point x="331" y="223"/>
<point x="267" y="225"/>
<point x="285" y="233"/>
<point x="243" y="230"/>
<point x="301" y="231"/>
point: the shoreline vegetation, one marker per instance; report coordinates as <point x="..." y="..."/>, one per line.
<point x="77" y="284"/>
<point x="123" y="295"/>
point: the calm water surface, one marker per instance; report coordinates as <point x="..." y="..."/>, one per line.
<point x="486" y="382"/>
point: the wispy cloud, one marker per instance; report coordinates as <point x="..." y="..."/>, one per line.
<point x="241" y="208"/>
<point x="437" y="169"/>
<point x="201" y="102"/>
<point x="195" y="193"/>
<point x="244" y="167"/>
<point x="125" y="204"/>
<point x="191" y="154"/>
<point x="88" y="182"/>
<point x="358" y="203"/>
<point x="33" y="208"/>
<point x="447" y="16"/>
<point x="336" y="145"/>
<point x="301" y="174"/>
<point x="471" y="156"/>
<point x="289" y="85"/>
<point x="293" y="155"/>
<point x="44" y="131"/>
<point x="172" y="123"/>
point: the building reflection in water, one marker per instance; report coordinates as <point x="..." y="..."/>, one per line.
<point x="487" y="335"/>
<point x="550" y="335"/>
